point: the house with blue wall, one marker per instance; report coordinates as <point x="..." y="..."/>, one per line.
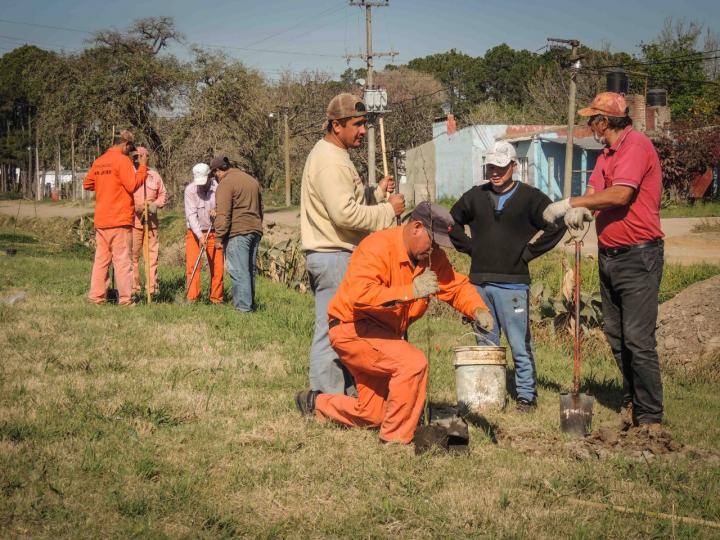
<point x="454" y="161"/>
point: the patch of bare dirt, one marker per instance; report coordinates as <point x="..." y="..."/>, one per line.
<point x="605" y="442"/>
<point x="688" y="333"/>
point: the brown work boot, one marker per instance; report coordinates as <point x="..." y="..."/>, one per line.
<point x="525" y="406"/>
<point x="305" y="401"/>
<point x="651" y="428"/>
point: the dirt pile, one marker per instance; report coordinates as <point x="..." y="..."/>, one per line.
<point x="688" y="331"/>
<point x="605" y="442"/>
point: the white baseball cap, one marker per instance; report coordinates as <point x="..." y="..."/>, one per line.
<point x="502" y="154"/>
<point x="200" y="174"/>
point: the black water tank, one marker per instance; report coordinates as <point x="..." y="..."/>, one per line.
<point x="657" y="97"/>
<point x="617" y="81"/>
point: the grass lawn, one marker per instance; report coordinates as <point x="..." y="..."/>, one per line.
<point x="177" y="421"/>
<point x="699" y="209"/>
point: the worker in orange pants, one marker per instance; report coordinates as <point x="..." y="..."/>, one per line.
<point x="154" y="190"/>
<point x="200" y="212"/>
<point x="114" y="180"/>
<point x="391" y="377"/>
<point x="387" y="286"/>
<point x="216" y="263"/>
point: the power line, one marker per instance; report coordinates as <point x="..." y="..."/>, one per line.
<point x="670" y="60"/>
<point x="323" y="13"/>
<point x="272" y="51"/>
<point x="669" y="78"/>
<point x="66" y="29"/>
<point x="33" y="42"/>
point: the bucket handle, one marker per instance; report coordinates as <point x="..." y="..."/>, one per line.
<point x="477" y="334"/>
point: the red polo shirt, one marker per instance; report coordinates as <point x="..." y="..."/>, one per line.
<point x="632" y="161"/>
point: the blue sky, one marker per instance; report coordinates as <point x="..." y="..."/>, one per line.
<point x="316" y="34"/>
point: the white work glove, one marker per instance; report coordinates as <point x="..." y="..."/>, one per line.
<point x="152" y="208"/>
<point x="425" y="284"/>
<point x="556" y="210"/>
<point x="484" y="319"/>
<point x="576" y="218"/>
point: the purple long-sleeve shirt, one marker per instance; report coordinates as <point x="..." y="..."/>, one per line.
<point x="198" y="203"/>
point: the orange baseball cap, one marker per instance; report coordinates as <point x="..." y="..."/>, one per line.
<point x="607" y="104"/>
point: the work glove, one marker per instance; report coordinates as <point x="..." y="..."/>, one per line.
<point x="425" y="284"/>
<point x="556" y="210"/>
<point x="212" y="213"/>
<point x="484" y="319"/>
<point x="576" y="218"/>
<point x="152" y="208"/>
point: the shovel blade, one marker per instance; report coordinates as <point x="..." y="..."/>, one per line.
<point x="576" y="413"/>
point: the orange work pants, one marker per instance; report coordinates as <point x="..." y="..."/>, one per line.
<point x="112" y="245"/>
<point x="215" y="262"/>
<point x="391" y="377"/>
<point x="138" y="237"/>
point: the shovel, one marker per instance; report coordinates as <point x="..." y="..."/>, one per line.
<point x="576" y="408"/>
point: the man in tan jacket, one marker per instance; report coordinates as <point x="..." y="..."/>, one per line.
<point x="238" y="224"/>
<point x="334" y="218"/>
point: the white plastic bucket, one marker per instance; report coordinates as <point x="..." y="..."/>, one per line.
<point x="480" y="378"/>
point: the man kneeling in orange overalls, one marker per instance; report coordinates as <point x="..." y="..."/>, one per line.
<point x="386" y="288"/>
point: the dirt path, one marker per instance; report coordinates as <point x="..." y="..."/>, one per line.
<point x="44" y="210"/>
<point x="681" y="244"/>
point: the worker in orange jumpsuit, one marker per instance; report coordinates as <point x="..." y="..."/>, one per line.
<point x="154" y="189"/>
<point x="389" y="280"/>
<point x="114" y="180"/>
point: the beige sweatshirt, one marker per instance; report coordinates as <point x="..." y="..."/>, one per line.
<point x="333" y="213"/>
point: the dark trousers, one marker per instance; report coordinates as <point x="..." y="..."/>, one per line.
<point x="630" y="285"/>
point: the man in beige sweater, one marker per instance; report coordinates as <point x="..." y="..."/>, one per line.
<point x="238" y="224"/>
<point x="336" y="213"/>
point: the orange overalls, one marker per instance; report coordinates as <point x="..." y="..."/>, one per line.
<point x="157" y="194"/>
<point x="369" y="314"/>
<point x="114" y="180"/>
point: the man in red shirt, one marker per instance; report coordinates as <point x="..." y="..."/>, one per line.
<point x="114" y="180"/>
<point x="389" y="280"/>
<point x="624" y="191"/>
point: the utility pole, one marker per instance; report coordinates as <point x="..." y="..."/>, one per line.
<point x="287" y="157"/>
<point x="574" y="68"/>
<point x="39" y="194"/>
<point x="368" y="57"/>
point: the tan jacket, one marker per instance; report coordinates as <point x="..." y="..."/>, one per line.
<point x="333" y="215"/>
<point x="239" y="205"/>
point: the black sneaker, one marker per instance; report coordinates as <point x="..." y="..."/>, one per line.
<point x="305" y="401"/>
<point x="525" y="406"/>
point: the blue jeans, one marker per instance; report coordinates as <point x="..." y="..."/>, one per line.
<point x="510" y="309"/>
<point x="326" y="271"/>
<point x="240" y="257"/>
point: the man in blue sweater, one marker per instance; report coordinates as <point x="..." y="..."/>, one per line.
<point x="504" y="217"/>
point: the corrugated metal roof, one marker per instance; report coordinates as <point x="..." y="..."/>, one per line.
<point x="588" y="143"/>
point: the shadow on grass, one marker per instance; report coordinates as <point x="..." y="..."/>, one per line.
<point x="607" y="392"/>
<point x="171" y="290"/>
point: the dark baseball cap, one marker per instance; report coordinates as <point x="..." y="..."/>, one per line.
<point x="219" y="162"/>
<point x="436" y="220"/>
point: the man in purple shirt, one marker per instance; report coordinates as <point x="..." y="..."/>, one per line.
<point x="199" y="216"/>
